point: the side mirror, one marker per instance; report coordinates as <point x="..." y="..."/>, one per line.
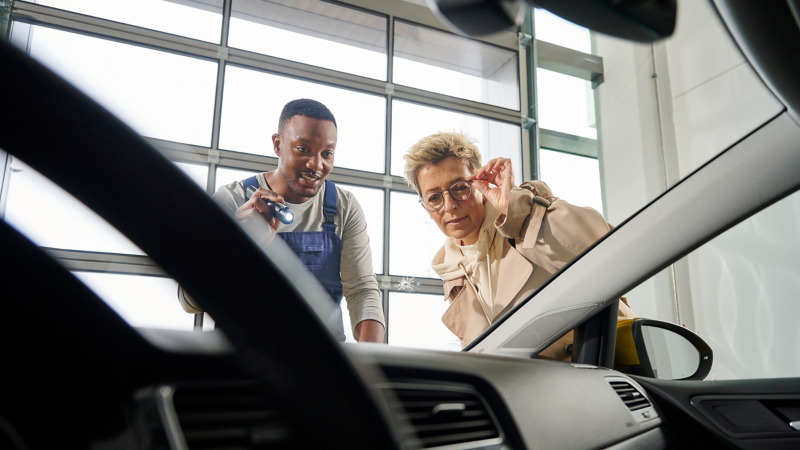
<point x="662" y="350"/>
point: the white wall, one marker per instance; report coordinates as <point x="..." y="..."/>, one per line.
<point x="746" y="291"/>
<point x="631" y="166"/>
<point x="665" y="110"/>
<point x="628" y="128"/>
<point x="717" y="97"/>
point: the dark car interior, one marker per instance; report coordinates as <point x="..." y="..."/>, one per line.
<point x="83" y="378"/>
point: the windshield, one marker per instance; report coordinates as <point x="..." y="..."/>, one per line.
<point x="395" y="111"/>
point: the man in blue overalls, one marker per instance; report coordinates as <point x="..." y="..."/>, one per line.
<point x="329" y="231"/>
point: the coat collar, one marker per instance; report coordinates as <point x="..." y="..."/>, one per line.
<point x="515" y="270"/>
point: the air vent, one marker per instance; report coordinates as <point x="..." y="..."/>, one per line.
<point x="632" y="398"/>
<point x="443" y="416"/>
<point x="228" y="416"/>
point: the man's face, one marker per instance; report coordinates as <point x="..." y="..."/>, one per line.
<point x="306" y="149"/>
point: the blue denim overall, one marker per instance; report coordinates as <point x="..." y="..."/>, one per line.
<point x="320" y="252"/>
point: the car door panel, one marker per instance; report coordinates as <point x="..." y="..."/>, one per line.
<point x="745" y="414"/>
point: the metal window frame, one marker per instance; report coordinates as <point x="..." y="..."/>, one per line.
<point x="5" y="18"/>
<point x="569" y="62"/>
<point x="568" y="143"/>
<point x="432" y="95"/>
<point x="532" y="54"/>
<point x="103" y="262"/>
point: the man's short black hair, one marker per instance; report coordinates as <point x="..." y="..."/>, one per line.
<point x="307" y="108"/>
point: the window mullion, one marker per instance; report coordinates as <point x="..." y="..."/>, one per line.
<point x="531" y="58"/>
<point x="84" y="261"/>
<point x="222" y="56"/>
<point x="388" y="148"/>
<point x="94" y="26"/>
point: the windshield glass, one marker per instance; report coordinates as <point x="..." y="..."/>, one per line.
<point x="465" y="172"/>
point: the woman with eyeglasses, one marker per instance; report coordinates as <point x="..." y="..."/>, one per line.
<point x="502" y="241"/>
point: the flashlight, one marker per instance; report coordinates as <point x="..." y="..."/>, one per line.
<point x="280" y="212"/>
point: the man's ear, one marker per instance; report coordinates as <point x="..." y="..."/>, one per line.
<point x="276" y="144"/>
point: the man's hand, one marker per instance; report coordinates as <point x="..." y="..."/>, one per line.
<point x="257" y="205"/>
<point x="369" y="331"/>
<point x="499" y="173"/>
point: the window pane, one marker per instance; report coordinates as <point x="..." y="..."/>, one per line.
<point x="253" y="102"/>
<point x="416" y="321"/>
<point x="208" y="323"/>
<point x="413" y="237"/>
<point x="158" y="94"/>
<point x="196" y="19"/>
<point x="573" y="178"/>
<point x="554" y="29"/>
<point x="145" y="302"/>
<point x="441" y="62"/>
<point x="371" y="201"/>
<point x="197" y="172"/>
<point x="50" y="217"/>
<point x="312" y="32"/>
<point x="739" y="293"/>
<point x="228" y="176"/>
<point x="744" y="292"/>
<point x="566" y="104"/>
<point x="411" y="122"/>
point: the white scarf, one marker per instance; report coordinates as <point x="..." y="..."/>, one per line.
<point x="480" y="268"/>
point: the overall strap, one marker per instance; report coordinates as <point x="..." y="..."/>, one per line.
<point x="252" y="181"/>
<point x="329" y="206"/>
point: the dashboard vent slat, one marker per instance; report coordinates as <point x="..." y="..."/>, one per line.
<point x="435" y="441"/>
<point x="629" y="395"/>
<point x="232" y="416"/>
<point x="443" y="416"/>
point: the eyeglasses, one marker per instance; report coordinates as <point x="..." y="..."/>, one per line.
<point x="460" y="191"/>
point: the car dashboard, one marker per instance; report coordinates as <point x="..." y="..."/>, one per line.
<point x="537" y="404"/>
<point x="158" y="389"/>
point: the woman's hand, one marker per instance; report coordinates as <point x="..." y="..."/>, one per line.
<point x="499" y="173"/>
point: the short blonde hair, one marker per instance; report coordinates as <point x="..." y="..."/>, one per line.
<point x="436" y="148"/>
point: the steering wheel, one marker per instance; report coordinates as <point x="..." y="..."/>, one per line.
<point x="77" y="144"/>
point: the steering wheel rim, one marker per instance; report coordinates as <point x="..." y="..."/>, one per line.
<point x="70" y="139"/>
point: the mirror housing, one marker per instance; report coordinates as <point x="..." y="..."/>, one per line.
<point x="636" y="20"/>
<point x="646" y="346"/>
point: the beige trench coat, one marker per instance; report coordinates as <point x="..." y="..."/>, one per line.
<point x="546" y="237"/>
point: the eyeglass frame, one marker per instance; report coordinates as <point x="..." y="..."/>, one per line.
<point x="422" y="199"/>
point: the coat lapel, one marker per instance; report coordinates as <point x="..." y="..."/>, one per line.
<point x="464" y="317"/>
<point x="515" y="270"/>
<point x="452" y="288"/>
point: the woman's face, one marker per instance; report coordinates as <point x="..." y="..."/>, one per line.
<point x="461" y="220"/>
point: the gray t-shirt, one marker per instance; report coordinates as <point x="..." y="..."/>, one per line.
<point x="360" y="288"/>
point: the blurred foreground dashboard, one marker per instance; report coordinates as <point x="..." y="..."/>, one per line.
<point x="179" y="390"/>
